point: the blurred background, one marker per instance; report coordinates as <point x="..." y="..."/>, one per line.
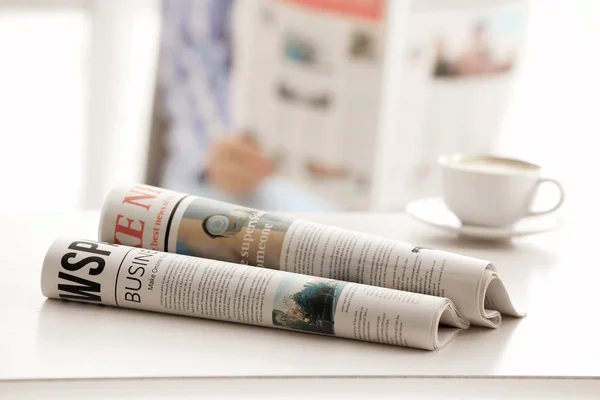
<point x="299" y="105"/>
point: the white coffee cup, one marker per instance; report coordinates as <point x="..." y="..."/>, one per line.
<point x="492" y="191"/>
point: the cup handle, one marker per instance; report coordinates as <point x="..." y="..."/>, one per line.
<point x="561" y="198"/>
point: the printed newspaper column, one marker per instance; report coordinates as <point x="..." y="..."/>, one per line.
<point x="123" y="276"/>
<point x="160" y="219"/>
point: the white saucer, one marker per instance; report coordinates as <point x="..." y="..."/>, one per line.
<point x="433" y="211"/>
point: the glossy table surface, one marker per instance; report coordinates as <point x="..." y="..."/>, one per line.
<point x="553" y="276"/>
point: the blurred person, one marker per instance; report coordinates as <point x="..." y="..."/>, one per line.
<point x="207" y="154"/>
<point x="477" y="59"/>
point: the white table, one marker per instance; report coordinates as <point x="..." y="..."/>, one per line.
<point x="555" y="277"/>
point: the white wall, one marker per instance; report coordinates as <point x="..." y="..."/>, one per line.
<point x="42" y="107"/>
<point x="553" y="117"/>
<point x="76" y="82"/>
<point x="124" y="47"/>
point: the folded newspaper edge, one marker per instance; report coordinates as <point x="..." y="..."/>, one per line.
<point x="123" y="276"/>
<point x="163" y="220"/>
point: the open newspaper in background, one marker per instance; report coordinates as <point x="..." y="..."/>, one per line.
<point x="122" y="276"/>
<point x="383" y="87"/>
<point x="163" y="220"/>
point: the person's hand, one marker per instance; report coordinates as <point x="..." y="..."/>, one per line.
<point x="237" y="165"/>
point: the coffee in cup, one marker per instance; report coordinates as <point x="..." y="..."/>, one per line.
<point x="492" y="191"/>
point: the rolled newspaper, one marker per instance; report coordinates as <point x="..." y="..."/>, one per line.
<point x="123" y="276"/>
<point x="164" y="220"/>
